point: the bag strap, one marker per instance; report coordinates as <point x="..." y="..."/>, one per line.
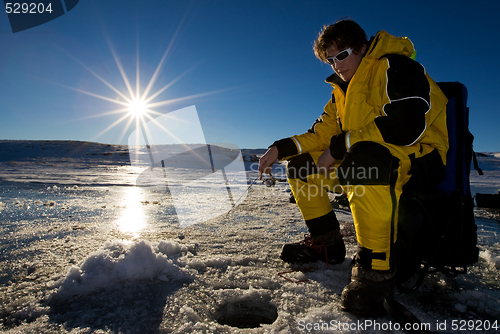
<point x="476" y="166"/>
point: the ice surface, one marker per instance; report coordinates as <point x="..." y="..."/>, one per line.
<point x="83" y="250"/>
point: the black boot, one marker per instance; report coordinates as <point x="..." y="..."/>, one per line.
<point x="365" y="294"/>
<point x="329" y="248"/>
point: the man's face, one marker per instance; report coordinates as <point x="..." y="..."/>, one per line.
<point x="346" y="68"/>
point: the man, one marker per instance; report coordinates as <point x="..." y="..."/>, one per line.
<point x="385" y="115"/>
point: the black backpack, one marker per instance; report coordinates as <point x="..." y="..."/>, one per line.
<point x="436" y="228"/>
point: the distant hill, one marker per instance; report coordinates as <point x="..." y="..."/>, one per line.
<point x="29" y="150"/>
<point x="21" y="150"/>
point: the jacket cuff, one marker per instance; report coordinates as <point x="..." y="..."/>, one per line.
<point x="286" y="147"/>
<point x="337" y="146"/>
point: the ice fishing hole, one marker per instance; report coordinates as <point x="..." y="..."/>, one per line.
<point x="246" y="313"/>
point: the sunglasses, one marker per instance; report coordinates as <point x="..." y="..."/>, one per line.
<point x="342" y="55"/>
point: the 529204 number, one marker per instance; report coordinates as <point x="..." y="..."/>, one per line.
<point x="478" y="325"/>
<point x="31" y="8"/>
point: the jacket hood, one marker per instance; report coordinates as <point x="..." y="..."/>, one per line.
<point x="383" y="43"/>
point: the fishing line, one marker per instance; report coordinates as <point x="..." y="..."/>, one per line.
<point x="269" y="181"/>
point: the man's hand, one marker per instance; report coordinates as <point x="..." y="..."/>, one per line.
<point x="325" y="162"/>
<point x="267" y="160"/>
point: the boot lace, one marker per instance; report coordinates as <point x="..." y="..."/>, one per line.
<point x="320" y="248"/>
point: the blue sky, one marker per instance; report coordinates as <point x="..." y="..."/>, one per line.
<point x="248" y="66"/>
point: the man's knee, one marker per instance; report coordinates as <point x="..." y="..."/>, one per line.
<point x="368" y="163"/>
<point x="300" y="166"/>
<point x="427" y="172"/>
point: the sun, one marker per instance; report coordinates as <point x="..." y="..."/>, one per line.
<point x="137" y="107"/>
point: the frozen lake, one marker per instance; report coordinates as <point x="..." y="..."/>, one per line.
<point x="83" y="250"/>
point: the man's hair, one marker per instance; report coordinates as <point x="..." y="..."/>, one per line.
<point x="343" y="34"/>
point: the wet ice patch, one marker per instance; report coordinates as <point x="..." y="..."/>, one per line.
<point x="118" y="262"/>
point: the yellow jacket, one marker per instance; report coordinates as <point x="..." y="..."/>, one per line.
<point x="390" y="100"/>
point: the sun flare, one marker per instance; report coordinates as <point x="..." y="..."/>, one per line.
<point x="137" y="104"/>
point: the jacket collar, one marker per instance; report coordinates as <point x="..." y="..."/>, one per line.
<point x="335" y="80"/>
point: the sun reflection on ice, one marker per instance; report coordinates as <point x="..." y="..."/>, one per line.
<point x="132" y="219"/>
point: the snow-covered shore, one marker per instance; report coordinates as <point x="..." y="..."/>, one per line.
<point x="85" y="251"/>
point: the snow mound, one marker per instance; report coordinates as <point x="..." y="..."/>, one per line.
<point x="118" y="262"/>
